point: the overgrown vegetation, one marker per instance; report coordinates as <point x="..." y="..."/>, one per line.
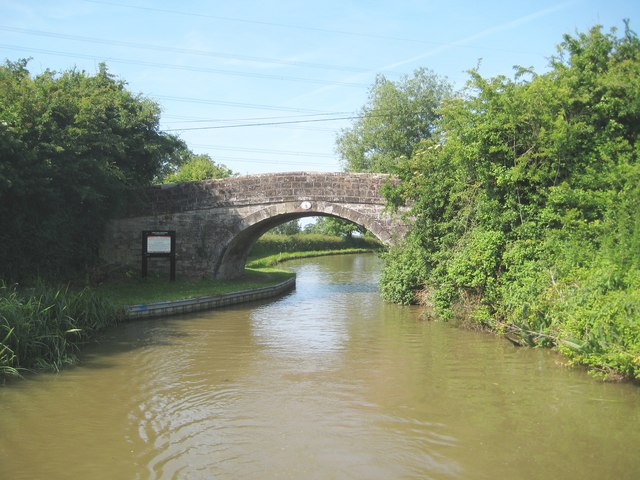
<point x="527" y="205"/>
<point x="71" y="145"/>
<point x="337" y="227"/>
<point x="43" y="328"/>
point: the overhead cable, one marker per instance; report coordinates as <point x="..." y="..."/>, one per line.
<point x="288" y="122"/>
<point x="184" y="67"/>
<point x="184" y="51"/>
<point x="262" y="124"/>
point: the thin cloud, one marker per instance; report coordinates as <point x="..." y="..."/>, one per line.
<point x="485" y="33"/>
<point x="446" y="47"/>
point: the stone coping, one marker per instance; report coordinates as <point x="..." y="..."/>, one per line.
<point x="188" y="305"/>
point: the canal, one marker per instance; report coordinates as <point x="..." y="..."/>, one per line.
<point x="328" y="382"/>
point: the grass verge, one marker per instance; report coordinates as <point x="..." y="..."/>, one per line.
<point x="153" y="289"/>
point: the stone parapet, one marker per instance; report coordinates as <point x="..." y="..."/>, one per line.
<point x="361" y="188"/>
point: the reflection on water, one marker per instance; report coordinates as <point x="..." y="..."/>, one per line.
<point x="327" y="382"/>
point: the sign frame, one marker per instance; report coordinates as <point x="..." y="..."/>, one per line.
<point x="159" y="243"/>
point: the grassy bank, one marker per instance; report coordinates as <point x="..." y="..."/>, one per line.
<point x="153" y="290"/>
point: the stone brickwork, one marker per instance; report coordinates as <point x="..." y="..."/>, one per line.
<point x="218" y="221"/>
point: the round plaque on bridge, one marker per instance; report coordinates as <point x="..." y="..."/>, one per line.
<point x="305" y="205"/>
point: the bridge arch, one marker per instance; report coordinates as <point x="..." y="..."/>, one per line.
<point x="234" y="258"/>
<point x="218" y="221"/>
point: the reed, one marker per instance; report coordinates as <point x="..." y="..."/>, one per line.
<point x="42" y="328"/>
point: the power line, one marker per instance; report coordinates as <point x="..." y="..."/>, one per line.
<point x="190" y="119"/>
<point x="264" y="150"/>
<point x="232" y="121"/>
<point x="300" y="27"/>
<point x="263" y="124"/>
<point x="205" y="101"/>
<point x="315" y="129"/>
<point x="185" y="67"/>
<point x="261" y="22"/>
<point x="291" y="122"/>
<point x="252" y="119"/>
<point x="186" y="51"/>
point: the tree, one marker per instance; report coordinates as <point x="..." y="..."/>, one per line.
<point x="197" y="167"/>
<point x="288" y="228"/>
<point x="70" y="144"/>
<point x="397" y="117"/>
<point x="334" y="226"/>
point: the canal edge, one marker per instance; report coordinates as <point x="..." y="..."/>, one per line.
<point x="197" y="304"/>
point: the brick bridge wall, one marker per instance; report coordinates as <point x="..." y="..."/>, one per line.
<point x="218" y="221"/>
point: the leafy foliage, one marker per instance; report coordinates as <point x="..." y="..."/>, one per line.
<point x="288" y="228"/>
<point x="527" y="199"/>
<point x="70" y="144"/>
<point x="197" y="167"/>
<point x="404" y="272"/>
<point x="397" y="117"/>
<point x="335" y="226"/>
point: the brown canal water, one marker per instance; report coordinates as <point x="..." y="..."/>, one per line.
<point x="328" y="382"/>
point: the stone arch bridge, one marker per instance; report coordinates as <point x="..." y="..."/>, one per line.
<point x="218" y="221"/>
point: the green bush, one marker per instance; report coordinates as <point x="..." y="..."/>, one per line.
<point x="527" y="207"/>
<point x="403" y="273"/>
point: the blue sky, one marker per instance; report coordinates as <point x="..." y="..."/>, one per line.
<point x="234" y="64"/>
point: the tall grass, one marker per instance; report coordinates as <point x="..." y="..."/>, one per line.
<point x="42" y="328"/>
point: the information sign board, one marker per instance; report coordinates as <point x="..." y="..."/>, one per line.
<point x="159" y="244"/>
